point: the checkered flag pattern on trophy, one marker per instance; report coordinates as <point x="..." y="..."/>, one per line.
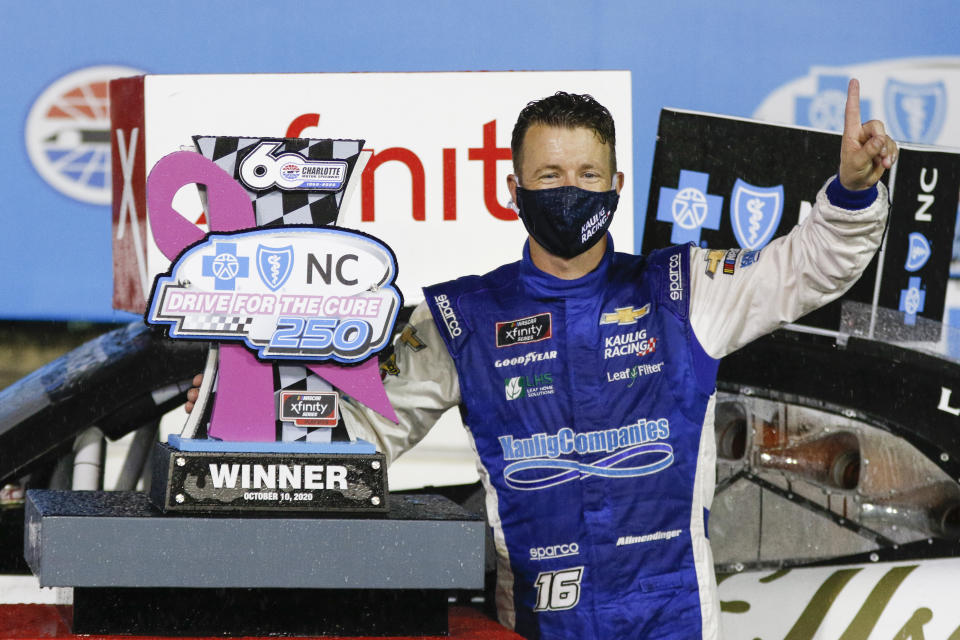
<point x="264" y="167"/>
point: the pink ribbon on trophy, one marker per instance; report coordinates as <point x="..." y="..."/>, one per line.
<point x="243" y="409"/>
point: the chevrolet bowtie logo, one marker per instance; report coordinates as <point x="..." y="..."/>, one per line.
<point x="625" y="315"/>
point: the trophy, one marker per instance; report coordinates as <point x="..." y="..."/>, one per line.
<point x="297" y="309"/>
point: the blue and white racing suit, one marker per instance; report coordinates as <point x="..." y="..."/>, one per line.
<point x="589" y="403"/>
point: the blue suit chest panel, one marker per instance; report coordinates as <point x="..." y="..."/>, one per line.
<point x="586" y="410"/>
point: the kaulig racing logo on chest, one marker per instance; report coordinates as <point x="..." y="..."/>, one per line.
<point x="635" y="343"/>
<point x="525" y="330"/>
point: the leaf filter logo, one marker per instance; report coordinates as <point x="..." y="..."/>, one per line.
<point x="68" y="133"/>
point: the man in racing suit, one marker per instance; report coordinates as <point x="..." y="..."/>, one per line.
<point x="586" y="378"/>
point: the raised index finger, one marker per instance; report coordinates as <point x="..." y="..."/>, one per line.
<point x="851" y="113"/>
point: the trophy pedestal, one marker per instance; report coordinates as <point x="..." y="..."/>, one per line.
<point x="135" y="570"/>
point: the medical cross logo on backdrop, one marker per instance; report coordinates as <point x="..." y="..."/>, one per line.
<point x="689" y="207"/>
<point x="915" y="112"/>
<point x="824" y="109"/>
<point x="912" y="300"/>
<point x="225" y="266"/>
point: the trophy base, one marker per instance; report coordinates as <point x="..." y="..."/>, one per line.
<point x="208" y="476"/>
<point x="259" y="612"/>
<point x="135" y="570"/>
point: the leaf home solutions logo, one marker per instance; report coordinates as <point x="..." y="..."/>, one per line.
<point x="528" y="386"/>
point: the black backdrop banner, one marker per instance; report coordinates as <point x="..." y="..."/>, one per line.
<point x="723" y="182"/>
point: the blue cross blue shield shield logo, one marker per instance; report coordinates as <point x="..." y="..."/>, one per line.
<point x="915" y="112"/>
<point x="755" y="213"/>
<point x="274" y="265"/>
<point x="918" y="252"/>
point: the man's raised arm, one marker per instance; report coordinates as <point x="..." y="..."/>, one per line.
<point x="814" y="264"/>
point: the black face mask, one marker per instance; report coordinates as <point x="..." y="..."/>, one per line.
<point x="566" y="221"/>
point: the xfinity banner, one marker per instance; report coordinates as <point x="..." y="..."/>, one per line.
<point x="434" y="162"/>
<point x="726" y="183"/>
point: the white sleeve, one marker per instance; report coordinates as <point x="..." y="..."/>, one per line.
<point x="738" y="297"/>
<point x="422" y="386"/>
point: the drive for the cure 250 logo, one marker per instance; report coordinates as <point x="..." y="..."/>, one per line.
<point x="305" y="293"/>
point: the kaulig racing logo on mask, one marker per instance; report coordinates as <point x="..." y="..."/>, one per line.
<point x="755" y="213"/>
<point x="566" y="221"/>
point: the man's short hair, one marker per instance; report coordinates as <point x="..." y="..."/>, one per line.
<point x="569" y="110"/>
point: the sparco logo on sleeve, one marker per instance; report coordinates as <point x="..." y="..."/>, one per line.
<point x="449" y="317"/>
<point x="525" y="330"/>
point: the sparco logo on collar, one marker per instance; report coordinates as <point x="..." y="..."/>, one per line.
<point x="525" y="330"/>
<point x="676" y="278"/>
<point x="449" y="317"/>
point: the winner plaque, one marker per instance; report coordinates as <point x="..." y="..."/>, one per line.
<point x="297" y="309"/>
